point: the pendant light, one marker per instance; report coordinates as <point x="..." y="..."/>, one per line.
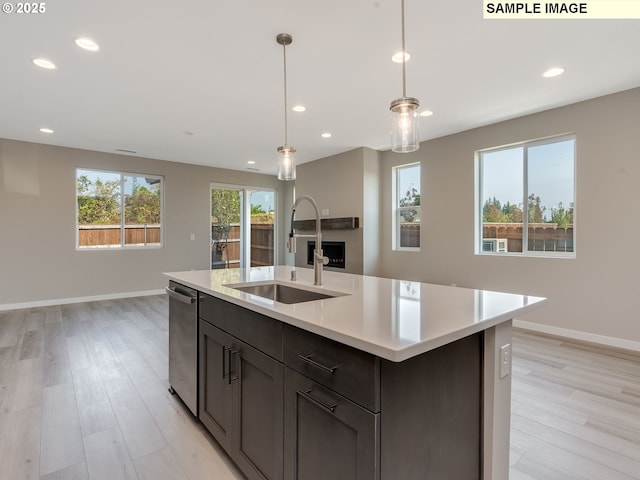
<point x="405" y="134"/>
<point x="286" y="160"/>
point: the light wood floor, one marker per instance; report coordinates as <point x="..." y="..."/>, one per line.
<point x="575" y="411"/>
<point x="83" y="395"/>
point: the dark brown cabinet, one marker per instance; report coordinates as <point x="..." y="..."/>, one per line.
<point x="216" y="396"/>
<point x="326" y="435"/>
<point x="241" y="398"/>
<point x="287" y="404"/>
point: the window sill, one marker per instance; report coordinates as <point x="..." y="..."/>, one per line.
<point x="561" y="255"/>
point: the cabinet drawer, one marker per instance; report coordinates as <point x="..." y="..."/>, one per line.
<point x="346" y="370"/>
<point x="259" y="331"/>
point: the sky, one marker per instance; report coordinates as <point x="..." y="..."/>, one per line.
<point x="408" y="178"/>
<point x="264" y="199"/>
<point x="550" y="171"/>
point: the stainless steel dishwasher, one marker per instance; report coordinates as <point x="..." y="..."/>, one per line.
<point x="183" y="344"/>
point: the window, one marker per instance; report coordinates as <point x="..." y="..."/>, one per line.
<point x="118" y="210"/>
<point x="406" y="203"/>
<point x="526" y="199"/>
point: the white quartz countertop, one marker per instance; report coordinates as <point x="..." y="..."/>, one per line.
<point x="394" y="319"/>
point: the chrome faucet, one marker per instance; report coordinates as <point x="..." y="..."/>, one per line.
<point x="318" y="259"/>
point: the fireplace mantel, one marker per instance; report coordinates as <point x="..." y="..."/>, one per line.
<point x="342" y="223"/>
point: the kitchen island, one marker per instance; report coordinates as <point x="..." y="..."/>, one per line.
<point x="380" y="379"/>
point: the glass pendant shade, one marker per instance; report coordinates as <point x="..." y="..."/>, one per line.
<point x="405" y="131"/>
<point x="286" y="159"/>
<point x="286" y="163"/>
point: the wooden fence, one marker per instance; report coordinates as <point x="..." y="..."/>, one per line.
<point x="225" y="248"/>
<point x="542" y="237"/>
<point x="410" y="234"/>
<point x="95" y="236"/>
<point x="226" y="252"/>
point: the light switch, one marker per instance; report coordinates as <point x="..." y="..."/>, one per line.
<point x="325" y="212"/>
<point x="505" y="360"/>
<point x="193" y="236"/>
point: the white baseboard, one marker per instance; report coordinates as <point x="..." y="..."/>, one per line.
<point x="93" y="298"/>
<point x="576" y="335"/>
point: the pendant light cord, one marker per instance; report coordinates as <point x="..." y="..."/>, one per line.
<point x="404" y="55"/>
<point x="284" y="56"/>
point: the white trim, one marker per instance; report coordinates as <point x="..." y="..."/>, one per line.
<point x="396" y="209"/>
<point x="245" y="192"/>
<point x="93" y="298"/>
<point x="577" y="335"/>
<point x="496" y="406"/>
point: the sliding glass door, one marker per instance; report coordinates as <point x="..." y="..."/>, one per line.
<point x="262" y="227"/>
<point x="242" y="227"/>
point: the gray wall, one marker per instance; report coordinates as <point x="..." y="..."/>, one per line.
<point x="597" y="291"/>
<point x="347" y="185"/>
<point x="38" y="259"/>
<point x="371" y="216"/>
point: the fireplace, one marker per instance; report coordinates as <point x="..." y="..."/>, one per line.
<point x="335" y="251"/>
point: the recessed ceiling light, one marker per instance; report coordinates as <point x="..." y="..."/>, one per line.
<point x="87" y="44"/>
<point x="299" y="108"/>
<point x="553" y="72"/>
<point x="398" y="57"/>
<point x="251" y="162"/>
<point x="44" y="63"/>
<point x="326" y="135"/>
<point x="46" y="130"/>
<point x="426" y="113"/>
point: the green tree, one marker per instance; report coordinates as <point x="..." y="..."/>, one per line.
<point x="535" y="209"/>
<point x="257" y="210"/>
<point x="142" y="206"/>
<point x="410" y="199"/>
<point x="492" y="211"/>
<point x="99" y="202"/>
<point x="563" y="217"/>
<point x="512" y="213"/>
<point x="225" y="206"/>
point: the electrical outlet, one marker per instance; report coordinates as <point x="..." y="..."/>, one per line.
<point x="505" y="360"/>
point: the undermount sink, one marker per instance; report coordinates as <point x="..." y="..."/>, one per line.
<point x="284" y="293"/>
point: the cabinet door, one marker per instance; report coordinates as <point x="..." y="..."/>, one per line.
<point x="216" y="399"/>
<point x="258" y="419"/>
<point x="326" y="435"/>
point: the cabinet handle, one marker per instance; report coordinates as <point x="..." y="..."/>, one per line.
<point x="224" y="362"/>
<point x="231" y="352"/>
<point x="307" y="394"/>
<point x="310" y="361"/>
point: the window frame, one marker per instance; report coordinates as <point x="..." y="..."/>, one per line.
<point x="479" y="200"/>
<point x="397" y="209"/>
<point x="245" y="192"/>
<point x="123" y="245"/>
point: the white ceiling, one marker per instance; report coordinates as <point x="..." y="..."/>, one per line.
<point x="213" y="68"/>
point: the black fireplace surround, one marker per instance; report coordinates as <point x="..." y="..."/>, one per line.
<point x="335" y="251"/>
